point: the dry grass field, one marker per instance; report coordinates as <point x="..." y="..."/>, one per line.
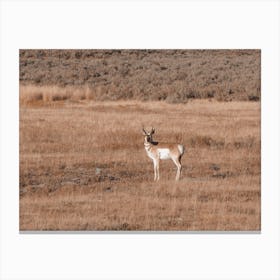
<point x="82" y="160"/>
<point x="83" y="165"/>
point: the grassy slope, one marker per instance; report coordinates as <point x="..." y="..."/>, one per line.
<point x="172" y="75"/>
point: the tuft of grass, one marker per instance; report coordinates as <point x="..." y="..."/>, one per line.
<point x="30" y="94"/>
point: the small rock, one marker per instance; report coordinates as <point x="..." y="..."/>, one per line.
<point x="97" y="171"/>
<point x="76" y="180"/>
<point x="215" y="167"/>
<point x="108" y="189"/>
<point x="220" y="175"/>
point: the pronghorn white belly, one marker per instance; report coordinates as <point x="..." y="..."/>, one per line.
<point x="164" y="153"/>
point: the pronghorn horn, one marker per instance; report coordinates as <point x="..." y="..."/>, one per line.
<point x="144" y="131"/>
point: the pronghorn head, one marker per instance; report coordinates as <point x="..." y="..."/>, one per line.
<point x="149" y="135"/>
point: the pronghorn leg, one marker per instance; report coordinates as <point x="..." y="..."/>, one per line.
<point x="156" y="169"/>
<point x="177" y="162"/>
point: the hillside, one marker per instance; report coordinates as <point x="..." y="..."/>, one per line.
<point x="171" y="75"/>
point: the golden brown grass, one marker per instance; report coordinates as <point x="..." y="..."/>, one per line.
<point x="83" y="166"/>
<point x="30" y="94"/>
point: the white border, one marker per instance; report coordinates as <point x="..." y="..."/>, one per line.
<point x="155" y="24"/>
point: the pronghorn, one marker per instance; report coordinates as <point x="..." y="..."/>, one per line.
<point x="157" y="151"/>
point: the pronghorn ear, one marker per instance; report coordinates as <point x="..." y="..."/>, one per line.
<point x="153" y="131"/>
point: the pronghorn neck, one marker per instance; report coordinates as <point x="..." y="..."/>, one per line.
<point x="149" y="143"/>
